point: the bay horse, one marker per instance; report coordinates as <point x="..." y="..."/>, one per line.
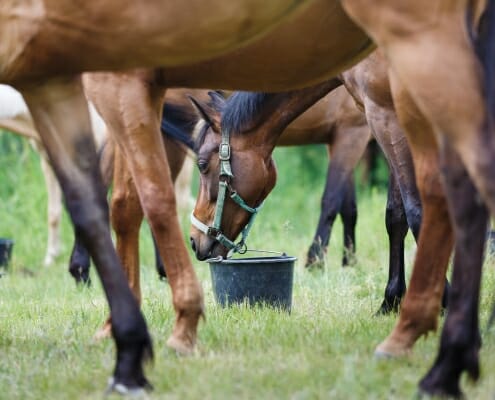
<point x="335" y="119"/>
<point x="30" y="35"/>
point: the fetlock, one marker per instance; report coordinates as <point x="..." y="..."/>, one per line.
<point x="189" y="308"/>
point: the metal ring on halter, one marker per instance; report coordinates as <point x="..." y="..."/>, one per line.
<point x="241" y="248"/>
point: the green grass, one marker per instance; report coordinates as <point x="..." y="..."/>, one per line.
<point x="323" y="349"/>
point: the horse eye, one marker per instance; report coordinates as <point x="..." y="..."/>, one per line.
<point x="202" y="166"/>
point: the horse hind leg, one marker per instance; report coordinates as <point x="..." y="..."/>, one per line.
<point x="345" y="152"/>
<point x="73" y="157"/>
<point x="460" y="340"/>
<point x="421" y="305"/>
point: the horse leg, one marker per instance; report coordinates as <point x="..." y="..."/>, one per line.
<point x="54" y="212"/>
<point x="457" y="111"/>
<point x="79" y="261"/>
<point x="126" y="216"/>
<point x="348" y="213"/>
<point x="396" y="223"/>
<point x="136" y="125"/>
<point x="421" y="304"/>
<point x="348" y="147"/>
<point x="460" y="340"/>
<point x="181" y="169"/>
<point x="73" y="157"/>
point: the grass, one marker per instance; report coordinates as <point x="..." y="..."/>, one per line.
<point x="323" y="349"/>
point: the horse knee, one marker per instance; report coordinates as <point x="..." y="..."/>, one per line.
<point x="126" y="213"/>
<point x="160" y="210"/>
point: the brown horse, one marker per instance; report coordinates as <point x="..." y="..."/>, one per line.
<point x="158" y="34"/>
<point x="336" y="120"/>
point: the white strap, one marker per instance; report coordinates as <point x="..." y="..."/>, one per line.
<point x="198" y="224"/>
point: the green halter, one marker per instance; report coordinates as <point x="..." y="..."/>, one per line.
<point x="224" y="184"/>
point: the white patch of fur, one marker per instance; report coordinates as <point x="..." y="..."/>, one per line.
<point x="197" y="128"/>
<point x="11" y="103"/>
<point x="98" y="125"/>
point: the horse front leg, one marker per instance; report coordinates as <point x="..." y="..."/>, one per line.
<point x="71" y="150"/>
<point x="137" y="132"/>
<point x="460" y="340"/>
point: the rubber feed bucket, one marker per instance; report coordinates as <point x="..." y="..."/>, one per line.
<point x="266" y="280"/>
<point x="5" y="251"/>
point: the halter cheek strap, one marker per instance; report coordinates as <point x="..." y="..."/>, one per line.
<point x="225" y="177"/>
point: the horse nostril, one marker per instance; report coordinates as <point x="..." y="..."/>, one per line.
<point x="193" y="244"/>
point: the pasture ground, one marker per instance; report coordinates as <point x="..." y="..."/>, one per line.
<point x="322" y="350"/>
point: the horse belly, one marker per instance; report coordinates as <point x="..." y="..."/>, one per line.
<point x="316" y="45"/>
<point x="41" y="38"/>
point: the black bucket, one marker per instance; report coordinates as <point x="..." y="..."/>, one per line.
<point x="266" y="280"/>
<point x="5" y="251"/>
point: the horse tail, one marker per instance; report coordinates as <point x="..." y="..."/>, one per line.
<point x="484" y="41"/>
<point x="178" y="124"/>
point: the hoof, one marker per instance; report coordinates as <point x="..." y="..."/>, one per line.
<point x="386" y="350"/>
<point x="104" y="332"/>
<point x="181" y="347"/>
<point x="123" y="390"/>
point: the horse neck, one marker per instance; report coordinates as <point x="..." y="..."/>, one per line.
<point x="280" y="109"/>
<point x="317" y="124"/>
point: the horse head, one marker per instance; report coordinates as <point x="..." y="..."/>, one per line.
<point x="237" y="173"/>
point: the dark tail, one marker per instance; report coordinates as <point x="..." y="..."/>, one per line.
<point x="178" y="124"/>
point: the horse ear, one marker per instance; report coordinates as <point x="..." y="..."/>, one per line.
<point x="207" y="113"/>
<point x="218" y="98"/>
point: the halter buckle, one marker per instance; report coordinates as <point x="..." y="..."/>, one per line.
<point x="213" y="231"/>
<point x="224" y="152"/>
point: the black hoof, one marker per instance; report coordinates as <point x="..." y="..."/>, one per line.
<point x="80" y="275"/>
<point x="134" y="348"/>
<point x="123" y="390"/>
<point x="389" y="307"/>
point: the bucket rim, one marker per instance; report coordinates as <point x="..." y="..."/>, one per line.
<point x="251" y="260"/>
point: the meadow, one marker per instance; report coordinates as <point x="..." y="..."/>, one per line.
<point x="323" y="349"/>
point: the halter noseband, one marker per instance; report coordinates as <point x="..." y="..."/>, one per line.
<point x="226" y="176"/>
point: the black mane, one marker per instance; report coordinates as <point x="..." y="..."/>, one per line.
<point x="242" y="110"/>
<point x="178" y="123"/>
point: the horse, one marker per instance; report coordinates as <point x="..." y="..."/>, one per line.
<point x="30" y="35"/>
